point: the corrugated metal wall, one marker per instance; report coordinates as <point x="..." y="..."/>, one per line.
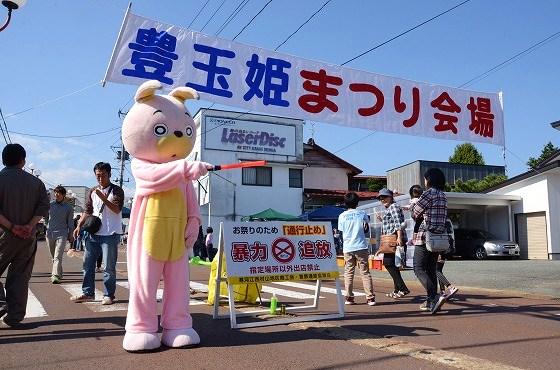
<point x="402" y="178"/>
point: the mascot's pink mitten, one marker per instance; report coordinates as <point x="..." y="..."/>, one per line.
<point x="159" y="133"/>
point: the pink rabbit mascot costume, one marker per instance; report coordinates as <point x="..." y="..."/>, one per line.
<point x="159" y="133"/>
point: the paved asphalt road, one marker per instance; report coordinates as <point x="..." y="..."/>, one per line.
<point x="483" y="329"/>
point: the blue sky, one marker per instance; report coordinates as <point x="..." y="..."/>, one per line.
<point x="53" y="48"/>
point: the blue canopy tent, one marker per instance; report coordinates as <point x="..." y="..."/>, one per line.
<point x="325" y="213"/>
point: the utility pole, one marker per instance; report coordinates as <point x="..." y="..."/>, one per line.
<point x="122" y="156"/>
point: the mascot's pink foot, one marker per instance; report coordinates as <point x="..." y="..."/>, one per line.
<point x="180" y="337"/>
<point x="138" y="342"/>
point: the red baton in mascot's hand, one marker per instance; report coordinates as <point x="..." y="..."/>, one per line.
<point x="231" y="166"/>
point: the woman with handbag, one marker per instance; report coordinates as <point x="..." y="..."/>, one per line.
<point x="392" y="237"/>
<point x="432" y="207"/>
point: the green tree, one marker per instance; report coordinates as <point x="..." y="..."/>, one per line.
<point x="466" y="153"/>
<point x="546" y="152"/>
<point x="375" y="184"/>
<point x="477" y="186"/>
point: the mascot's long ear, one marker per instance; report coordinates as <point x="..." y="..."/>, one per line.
<point x="147" y="89"/>
<point x="184" y="93"/>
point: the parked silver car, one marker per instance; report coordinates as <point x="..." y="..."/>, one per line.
<point x="480" y="244"/>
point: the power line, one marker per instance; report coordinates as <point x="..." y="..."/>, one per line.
<point x="252" y="19"/>
<point x="67" y="136"/>
<point x="1" y="129"/>
<point x="213" y="15"/>
<point x="53" y="100"/>
<point x="512" y="59"/>
<point x="232" y="16"/>
<point x="197" y="14"/>
<point x="355" y="142"/>
<point x="404" y="33"/>
<point x="303" y="24"/>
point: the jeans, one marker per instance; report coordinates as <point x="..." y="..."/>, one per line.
<point x="398" y="282"/>
<point x="106" y="245"/>
<point x="425" y="270"/>
<point x="442" y="280"/>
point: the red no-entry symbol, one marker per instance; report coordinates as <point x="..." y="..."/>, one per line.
<point x="283" y="250"/>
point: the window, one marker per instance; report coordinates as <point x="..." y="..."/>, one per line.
<point x="296" y="178"/>
<point x="260" y="176"/>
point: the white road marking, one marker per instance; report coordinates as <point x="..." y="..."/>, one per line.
<point x="199" y="286"/>
<point x="95" y="306"/>
<point x="312" y="287"/>
<point x="266" y="289"/>
<point x="159" y="294"/>
<point x="34" y="307"/>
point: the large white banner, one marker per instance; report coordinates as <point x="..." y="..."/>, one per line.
<point x="261" y="80"/>
<point x="278" y="251"/>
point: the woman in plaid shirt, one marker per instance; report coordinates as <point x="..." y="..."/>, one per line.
<point x="393" y="219"/>
<point x="432" y="207"/>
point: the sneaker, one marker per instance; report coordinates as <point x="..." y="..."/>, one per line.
<point x="3" y="310"/>
<point x="349" y="301"/>
<point x="436" y="306"/>
<point x="81" y="298"/>
<point x="424" y="307"/>
<point x="371" y="301"/>
<point x="106" y="301"/>
<point x="403" y="293"/>
<point x="451" y="290"/>
<point x="394" y="295"/>
<point x="98" y="269"/>
<point x="10" y="323"/>
<point x="55" y="279"/>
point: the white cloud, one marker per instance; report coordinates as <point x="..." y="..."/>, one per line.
<point x="68" y="176"/>
<point x="79" y="143"/>
<point x="41" y="150"/>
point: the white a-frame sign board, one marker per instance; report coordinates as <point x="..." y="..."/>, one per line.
<point x="264" y="252"/>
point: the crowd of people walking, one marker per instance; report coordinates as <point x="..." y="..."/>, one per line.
<point x="428" y="209"/>
<point x="24" y="202"/>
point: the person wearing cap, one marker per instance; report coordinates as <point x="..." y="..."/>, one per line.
<point x="392" y="224"/>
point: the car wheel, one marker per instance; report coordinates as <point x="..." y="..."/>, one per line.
<point x="480" y="253"/>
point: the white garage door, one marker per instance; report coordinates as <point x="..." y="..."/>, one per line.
<point x="531" y="235"/>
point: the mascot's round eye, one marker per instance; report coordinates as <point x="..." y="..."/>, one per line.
<point x="189" y="131"/>
<point x="160" y="129"/>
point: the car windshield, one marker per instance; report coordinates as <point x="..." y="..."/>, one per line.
<point x="482" y="234"/>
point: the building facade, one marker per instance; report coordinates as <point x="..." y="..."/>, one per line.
<point x="536" y="216"/>
<point x="233" y="137"/>
<point x="400" y="179"/>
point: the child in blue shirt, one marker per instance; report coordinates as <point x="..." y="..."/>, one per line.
<point x="353" y="224"/>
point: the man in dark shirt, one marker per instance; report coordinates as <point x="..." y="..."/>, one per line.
<point x="23" y="202"/>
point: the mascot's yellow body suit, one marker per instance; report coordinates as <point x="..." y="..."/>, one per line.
<point x="159" y="133"/>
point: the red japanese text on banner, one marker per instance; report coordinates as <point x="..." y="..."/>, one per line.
<point x="261" y="80"/>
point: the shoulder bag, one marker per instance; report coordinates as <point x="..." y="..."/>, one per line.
<point x="92" y="223"/>
<point x="437" y="243"/>
<point x="388" y="243"/>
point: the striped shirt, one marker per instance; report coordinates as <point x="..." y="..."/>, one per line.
<point x="432" y="206"/>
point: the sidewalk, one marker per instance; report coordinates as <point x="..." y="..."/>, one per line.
<point x="526" y="277"/>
